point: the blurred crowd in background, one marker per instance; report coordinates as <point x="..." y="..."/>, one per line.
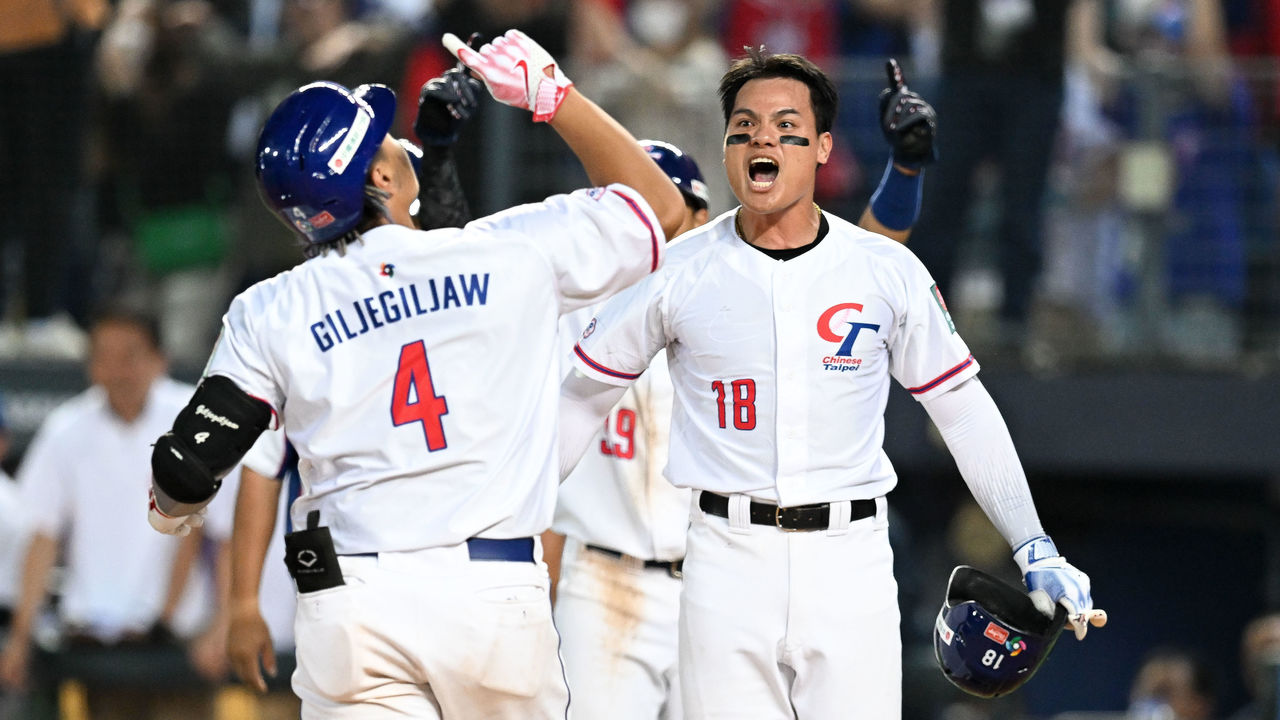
<point x="1107" y="192"/>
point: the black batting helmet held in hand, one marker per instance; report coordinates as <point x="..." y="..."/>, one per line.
<point x="989" y="638"/>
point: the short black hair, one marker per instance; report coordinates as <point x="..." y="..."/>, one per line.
<point x="124" y="313"/>
<point x="760" y="63"/>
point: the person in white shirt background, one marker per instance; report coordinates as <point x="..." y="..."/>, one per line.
<point x="122" y="584"/>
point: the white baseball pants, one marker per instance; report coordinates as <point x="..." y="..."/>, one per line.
<point x="796" y="625"/>
<point x="430" y="634"/>
<point x="618" y="624"/>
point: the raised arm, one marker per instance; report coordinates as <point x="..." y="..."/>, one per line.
<point x="518" y="72"/>
<point x="909" y="125"/>
<point x="445" y="104"/>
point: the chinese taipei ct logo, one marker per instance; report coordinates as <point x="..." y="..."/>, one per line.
<point x="838" y="324"/>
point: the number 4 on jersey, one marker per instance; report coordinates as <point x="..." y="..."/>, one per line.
<point x="414" y="399"/>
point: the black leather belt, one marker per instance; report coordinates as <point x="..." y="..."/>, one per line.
<point x="674" y="568"/>
<point x="798" y="517"/>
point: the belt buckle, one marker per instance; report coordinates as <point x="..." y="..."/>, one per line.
<point x="674" y="570"/>
<point x="777" y="520"/>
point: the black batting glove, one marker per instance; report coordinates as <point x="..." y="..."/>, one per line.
<point x="444" y="106"/>
<point x="908" y="122"/>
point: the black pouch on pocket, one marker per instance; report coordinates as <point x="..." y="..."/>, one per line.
<point x="310" y="557"/>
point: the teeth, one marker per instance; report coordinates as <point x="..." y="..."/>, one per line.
<point x="763" y="166"/>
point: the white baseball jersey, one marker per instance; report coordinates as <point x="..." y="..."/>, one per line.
<point x="781" y="369"/>
<point x="417" y="375"/>
<point x="617" y="497"/>
<point x="81" y="480"/>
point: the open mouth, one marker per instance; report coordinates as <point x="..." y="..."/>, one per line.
<point x="762" y="172"/>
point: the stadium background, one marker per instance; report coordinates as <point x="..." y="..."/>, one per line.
<point x="1148" y="431"/>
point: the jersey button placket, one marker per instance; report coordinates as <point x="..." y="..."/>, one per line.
<point x="791" y="393"/>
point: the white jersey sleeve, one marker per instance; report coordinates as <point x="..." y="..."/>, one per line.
<point x="585" y="235"/>
<point x="628" y="330"/>
<point x="927" y="356"/>
<point x="239" y="356"/>
<point x="267" y="456"/>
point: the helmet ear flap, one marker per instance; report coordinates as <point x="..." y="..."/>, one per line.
<point x="989" y="638"/>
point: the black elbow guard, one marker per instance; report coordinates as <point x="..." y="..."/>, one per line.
<point x="209" y="436"/>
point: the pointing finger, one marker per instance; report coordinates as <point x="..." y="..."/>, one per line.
<point x="894" y="71"/>
<point x="453" y="43"/>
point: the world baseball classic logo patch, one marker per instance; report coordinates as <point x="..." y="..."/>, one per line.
<point x="838" y="324"/>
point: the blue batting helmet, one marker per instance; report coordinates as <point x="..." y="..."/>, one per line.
<point x="682" y="170"/>
<point x="314" y="154"/>
<point x="989" y="638"/>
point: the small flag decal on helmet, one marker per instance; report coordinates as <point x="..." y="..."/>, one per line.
<point x="944" y="633"/>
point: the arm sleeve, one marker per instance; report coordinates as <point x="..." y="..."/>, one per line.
<point x="979" y="440"/>
<point x="584" y="404"/>
<point x="598" y="241"/>
<point x="440" y="190"/>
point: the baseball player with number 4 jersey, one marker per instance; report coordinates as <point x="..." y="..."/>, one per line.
<point x="782" y="326"/>
<point x="416" y="374"/>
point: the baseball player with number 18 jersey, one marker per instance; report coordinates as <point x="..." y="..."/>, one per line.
<point x="782" y="326"/>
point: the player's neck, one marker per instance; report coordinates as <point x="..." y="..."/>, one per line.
<point x="794" y="227"/>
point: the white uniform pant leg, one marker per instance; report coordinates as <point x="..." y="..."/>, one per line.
<point x="618" y="629"/>
<point x="844" y="630"/>
<point x="430" y="634"/>
<point x="781" y="625"/>
<point x="733" y="620"/>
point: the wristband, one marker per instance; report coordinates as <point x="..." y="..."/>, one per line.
<point x="896" y="201"/>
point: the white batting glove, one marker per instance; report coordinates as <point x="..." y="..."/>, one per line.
<point x="1052" y="580"/>
<point x="517" y="71"/>
<point x="179" y="525"/>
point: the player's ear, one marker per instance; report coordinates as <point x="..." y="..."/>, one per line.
<point x="381" y="173"/>
<point x="824" y="147"/>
